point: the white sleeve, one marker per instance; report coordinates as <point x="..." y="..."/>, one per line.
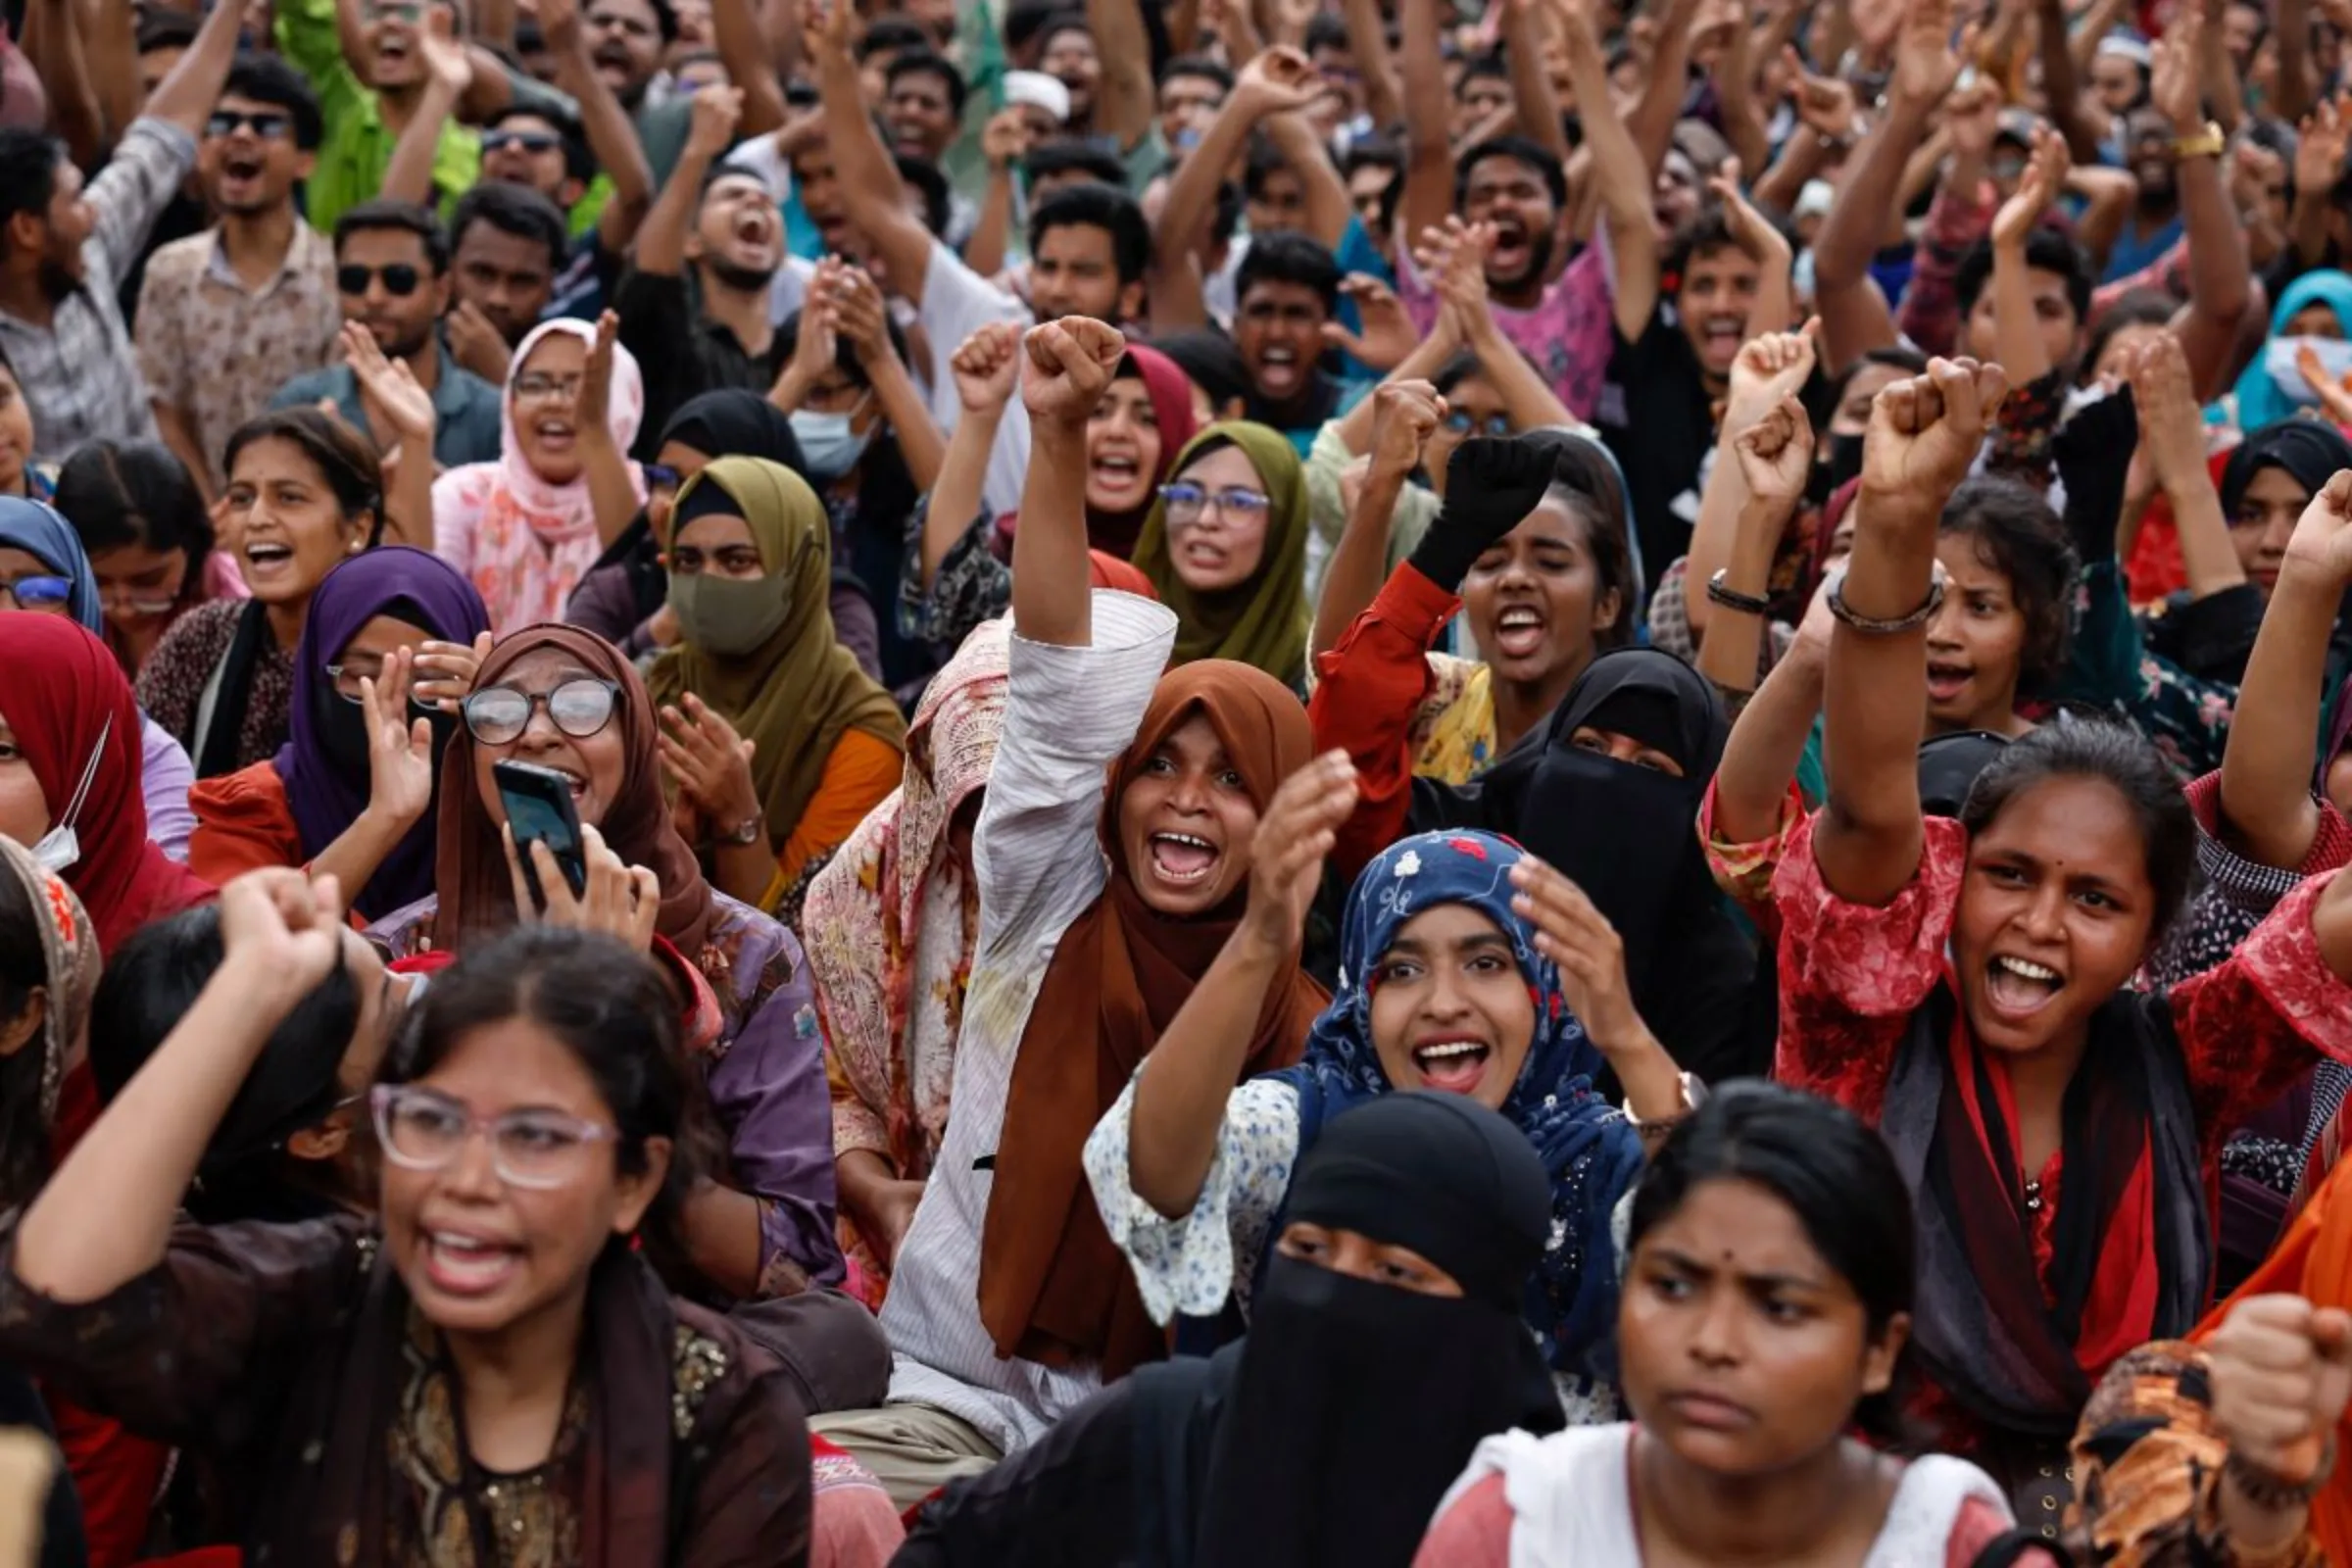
<point x="958" y="302"/>
<point x="1188" y="1264"/>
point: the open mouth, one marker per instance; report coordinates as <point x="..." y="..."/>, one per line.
<point x="1205" y="559"/>
<point x="1278" y="368"/>
<point x="392" y="47"/>
<point x="1723" y="335"/>
<point x="1182" y="859"/>
<point x="1945" y="682"/>
<point x="1509" y="252"/>
<point x="2019" y="988"/>
<point x="266" y="559"/>
<point x="469" y="1266"/>
<point x="556" y="435"/>
<point x="1519" y="632"/>
<point x="239" y="170"/>
<point x="1115" y="470"/>
<point x="577" y="781"/>
<point x="1452" y="1066"/>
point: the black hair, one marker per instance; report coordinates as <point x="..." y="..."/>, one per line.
<point x="1065" y="155"/>
<point x="1822" y="395"/>
<point x="1209" y="361"/>
<point x="1261" y="161"/>
<point x="2046" y="251"/>
<point x="118" y="493"/>
<point x="1200" y="66"/>
<point x="372" y="217"/>
<point x="1477" y="65"/>
<point x="167" y="29"/>
<point x="269" y="79"/>
<point x="23" y="970"/>
<point x="1460" y="366"/>
<point x="931" y="63"/>
<point x="515" y="210"/>
<point x="1326" y="30"/>
<point x="28" y="164"/>
<point x="2019" y="536"/>
<point x="149" y="985"/>
<point x="1706" y="232"/>
<point x="1284" y="258"/>
<point x="344" y="458"/>
<point x="579" y="162"/>
<point x="1027" y="21"/>
<point x="2141" y="306"/>
<point x="2093" y="746"/>
<point x="925" y="176"/>
<point x="611" y="1006"/>
<point x="891" y="33"/>
<point x="1833" y="1172"/>
<point x="845" y="353"/>
<point x="665" y="19"/>
<point x="1377" y="152"/>
<point x="1520" y="149"/>
<point x="1058" y="23"/>
<point x="1102" y="207"/>
<point x="1225" y="217"/>
<point x="1585" y="479"/>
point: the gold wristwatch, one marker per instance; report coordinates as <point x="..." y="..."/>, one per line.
<point x="2210" y="142"/>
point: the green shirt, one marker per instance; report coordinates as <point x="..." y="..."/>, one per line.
<point x="356" y="152"/>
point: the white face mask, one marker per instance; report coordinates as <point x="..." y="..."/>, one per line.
<point x="60" y="849"/>
<point x="2280" y="356"/>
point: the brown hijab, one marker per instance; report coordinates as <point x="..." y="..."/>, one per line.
<point x="1053" y="1287"/>
<point x="475" y="890"/>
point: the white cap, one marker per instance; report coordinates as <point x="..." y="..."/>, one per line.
<point x="1815" y="199"/>
<point x="1035" y="87"/>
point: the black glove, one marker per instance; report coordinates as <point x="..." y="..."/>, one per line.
<point x="1490" y="486"/>
<point x="2093" y="450"/>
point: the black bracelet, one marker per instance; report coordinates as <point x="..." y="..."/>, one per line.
<point x="2268" y="1490"/>
<point x="1733" y="598"/>
<point x="1870" y="626"/>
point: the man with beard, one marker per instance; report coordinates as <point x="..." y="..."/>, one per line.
<point x="507" y="243"/>
<point x="1285" y="293"/>
<point x="2155" y="224"/>
<point x="229" y="316"/>
<point x="64" y="251"/>
<point x="628" y="40"/>
<point x="1554" y="309"/>
<point x="392" y="277"/>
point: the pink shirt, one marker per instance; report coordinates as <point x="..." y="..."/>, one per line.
<point x="1568" y="334"/>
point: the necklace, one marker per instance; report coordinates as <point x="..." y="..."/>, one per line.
<point x="2034" y="1195"/>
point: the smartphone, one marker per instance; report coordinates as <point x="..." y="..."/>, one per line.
<point x="538" y="801"/>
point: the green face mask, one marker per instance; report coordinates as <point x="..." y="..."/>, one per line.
<point x="728" y="616"/>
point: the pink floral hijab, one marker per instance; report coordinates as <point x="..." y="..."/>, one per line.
<point x="524" y="541"/>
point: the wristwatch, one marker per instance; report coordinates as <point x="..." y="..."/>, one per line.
<point x="2207" y="143"/>
<point x="747" y="832"/>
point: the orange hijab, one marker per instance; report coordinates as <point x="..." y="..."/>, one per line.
<point x="1053" y="1287"/>
<point x="2313" y="1260"/>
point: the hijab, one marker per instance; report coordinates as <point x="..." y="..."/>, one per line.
<point x="796" y="693"/>
<point x="72" y="711"/>
<point x="36" y="530"/>
<point x="325" y="764"/>
<point x="475" y="891"/>
<point x="1589" y="1153"/>
<point x="1262" y="621"/>
<point x="534" y="539"/>
<point x="1355" y="1404"/>
<point x="2309" y="451"/>
<point x="2261" y="401"/>
<point x="1053" y="1287"/>
<point x="69" y="968"/>
<point x="1115" y="533"/>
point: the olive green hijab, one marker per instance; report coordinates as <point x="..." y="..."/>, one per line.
<point x="1263" y="621"/>
<point x="795" y="694"/>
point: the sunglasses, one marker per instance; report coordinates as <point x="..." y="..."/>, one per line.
<point x="497" y="716"/>
<point x="400" y="279"/>
<point x="267" y="125"/>
<point x="38" y="592"/>
<point x="1460" y="423"/>
<point x="529" y="141"/>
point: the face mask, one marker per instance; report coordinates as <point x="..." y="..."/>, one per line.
<point x="60" y="849"/>
<point x="828" y="446"/>
<point x="727" y="616"/>
<point x="2279" y="354"/>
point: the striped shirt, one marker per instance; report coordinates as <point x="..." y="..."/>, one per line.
<point x="79" y="372"/>
<point x="1069" y="712"/>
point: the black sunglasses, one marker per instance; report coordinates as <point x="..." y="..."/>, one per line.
<point x="400" y="279"/>
<point x="530" y="141"/>
<point x="269" y="125"/>
<point x="580" y="708"/>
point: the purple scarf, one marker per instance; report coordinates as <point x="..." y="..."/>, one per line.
<point x="325" y="764"/>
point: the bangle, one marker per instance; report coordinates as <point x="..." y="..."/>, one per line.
<point x="2207" y="143"/>
<point x="744" y="832"/>
<point x="2273" y="1493"/>
<point x="1870" y="626"/>
<point x="1732" y="598"/>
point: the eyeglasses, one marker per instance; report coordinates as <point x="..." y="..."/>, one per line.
<point x="498" y="715"/>
<point x="530" y="141"/>
<point x="409" y="11"/>
<point x="1188" y="503"/>
<point x="347" y="679"/>
<point x="38" y="592"/>
<point x="400" y="279"/>
<point x="1462" y="423"/>
<point x="421" y="1130"/>
<point x="536" y="386"/>
<point x="269" y="125"/>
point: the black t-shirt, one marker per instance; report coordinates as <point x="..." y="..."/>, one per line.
<point x="1656" y="415"/>
<point x="679" y="354"/>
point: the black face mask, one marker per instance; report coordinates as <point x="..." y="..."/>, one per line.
<point x="343" y="733"/>
<point x="1843" y="461"/>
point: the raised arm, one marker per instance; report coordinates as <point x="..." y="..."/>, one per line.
<point x="1661" y="106"/>
<point x="1004" y="143"/>
<point x="1404" y="414"/>
<point x="1523" y="30"/>
<point x="449" y="72"/>
<point x="1734" y="79"/>
<point x="1427" y="194"/>
<point x="1368" y="41"/>
<point x="742" y="46"/>
<point x="186" y="98"/>
<point x="1064" y="366"/>
<point x="1773" y="455"/>
<point x="661" y="243"/>
<point x="1180" y="1090"/>
<point x="1325" y="194"/>
<point x="104" y="1219"/>
<point x="51" y="39"/>
<point x="1126" y="101"/>
<point x="2172" y="441"/>
<point x="612" y="487"/>
<point x="1528" y="398"/>
<point x="409" y="409"/>
<point x="2266" y="766"/>
<point x="1924" y="432"/>
<point x="2017" y="341"/>
<point x="610" y="135"/>
<point x="1621" y="174"/>
<point x="1770" y="368"/>
<point x="2220" y="280"/>
<point x="985" y="367"/>
<point x="862" y="319"/>
<point x="2061" y="90"/>
<point x="1767" y="739"/>
<point x="1273" y="83"/>
<point x="870" y="188"/>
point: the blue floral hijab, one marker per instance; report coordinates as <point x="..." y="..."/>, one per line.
<point x="1590" y="1154"/>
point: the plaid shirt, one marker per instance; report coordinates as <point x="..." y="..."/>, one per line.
<point x="78" y="371"/>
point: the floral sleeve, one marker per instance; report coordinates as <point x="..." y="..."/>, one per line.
<point x="971" y="586"/>
<point x="2187" y="719"/>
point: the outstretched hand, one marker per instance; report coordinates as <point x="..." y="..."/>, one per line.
<point x="1586" y="949"/>
<point x="1066" y="365"/>
<point x="1298" y="829"/>
<point x="1490" y="486"/>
